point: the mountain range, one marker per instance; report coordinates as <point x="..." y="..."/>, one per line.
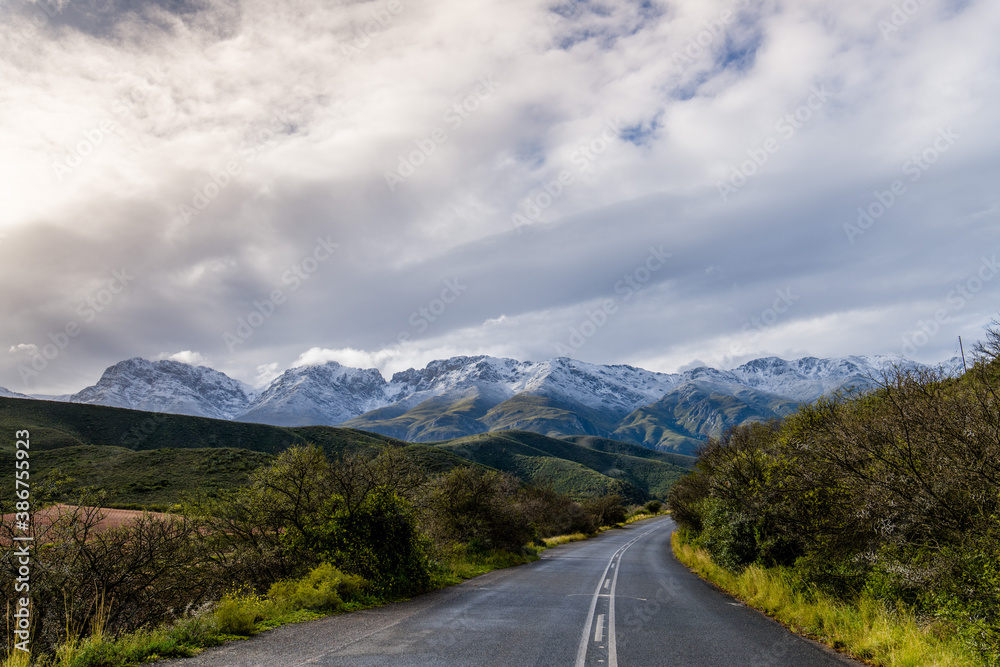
<point x="464" y="396"/>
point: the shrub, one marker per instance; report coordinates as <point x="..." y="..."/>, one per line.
<point x="685" y="498"/>
<point x="727" y="535"/>
<point x="606" y="510"/>
<point x="554" y="513"/>
<point x="325" y="588"/>
<point x="239" y="612"/>
<point x="378" y="539"/>
<point x="91" y="580"/>
<point x="481" y="509"/>
<point x="304" y="510"/>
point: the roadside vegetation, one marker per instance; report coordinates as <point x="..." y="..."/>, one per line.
<point x="871" y="521"/>
<point x="307" y="535"/>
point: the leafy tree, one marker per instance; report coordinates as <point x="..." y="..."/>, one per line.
<point x="483" y="509"/>
<point x="606" y="510"/>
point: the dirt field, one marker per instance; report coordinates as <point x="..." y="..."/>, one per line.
<point x="109" y="518"/>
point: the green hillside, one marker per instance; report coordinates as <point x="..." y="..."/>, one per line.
<point x="631" y="449"/>
<point x="685" y="417"/>
<point x="152" y="459"/>
<point x="571" y="466"/>
<point x="437" y="418"/>
<point x="454" y="416"/>
<point x="679" y="422"/>
<point x="542" y="414"/>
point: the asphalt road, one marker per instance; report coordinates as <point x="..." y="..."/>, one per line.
<point x="618" y="599"/>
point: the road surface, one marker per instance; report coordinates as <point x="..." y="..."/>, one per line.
<point x="619" y="599"/>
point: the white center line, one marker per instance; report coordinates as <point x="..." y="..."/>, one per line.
<point x="599" y="632"/>
<point x="581" y="654"/>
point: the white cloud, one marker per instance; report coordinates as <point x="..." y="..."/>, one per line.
<point x="275" y="125"/>
<point x="346" y="357"/>
<point x="503" y="320"/>
<point x="266" y="373"/>
<point x="186" y="357"/>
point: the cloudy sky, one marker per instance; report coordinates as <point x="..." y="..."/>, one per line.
<point x="253" y="185"/>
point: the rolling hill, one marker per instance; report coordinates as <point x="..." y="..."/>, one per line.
<point x="147" y="459"/>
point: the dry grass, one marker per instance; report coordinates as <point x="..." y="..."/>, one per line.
<point x="869" y="630"/>
<point x="564" y="539"/>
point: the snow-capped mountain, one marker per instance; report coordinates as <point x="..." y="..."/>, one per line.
<point x="465" y="395"/>
<point x="807" y="379"/>
<point x="325" y="394"/>
<point x="169" y="386"/>
<point x="618" y="389"/>
<point x="7" y="393"/>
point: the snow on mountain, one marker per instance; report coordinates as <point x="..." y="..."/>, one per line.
<point x="58" y="398"/>
<point x="331" y="394"/>
<point x="618" y="389"/>
<point x="169" y="386"/>
<point x="807" y="379"/>
<point x="7" y="393"/>
<point x="318" y="395"/>
<point x="608" y="388"/>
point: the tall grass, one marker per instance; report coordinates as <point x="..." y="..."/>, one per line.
<point x="868" y="629"/>
<point x="242" y="613"/>
<point x="564" y="539"/>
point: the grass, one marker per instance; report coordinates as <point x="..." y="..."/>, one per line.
<point x="242" y="613"/>
<point x="869" y="629"/>
<point x="461" y="565"/>
<point x="564" y="539"/>
<point x="576" y="537"/>
<point x="643" y="515"/>
<point x="153" y="460"/>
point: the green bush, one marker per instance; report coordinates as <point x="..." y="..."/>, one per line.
<point x="891" y="495"/>
<point x="324" y="589"/>
<point x="485" y="510"/>
<point x="653" y="506"/>
<point x="969" y="591"/>
<point x="377" y="539"/>
<point x="685" y="498"/>
<point x="606" y="510"/>
<point x="727" y="535"/>
<point x="239" y="612"/>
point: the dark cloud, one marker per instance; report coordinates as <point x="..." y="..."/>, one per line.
<point x="250" y="149"/>
<point x="115" y="19"/>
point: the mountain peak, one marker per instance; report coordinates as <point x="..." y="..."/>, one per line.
<point x="480" y="393"/>
<point x="7" y="393"/>
<point x="168" y="386"/>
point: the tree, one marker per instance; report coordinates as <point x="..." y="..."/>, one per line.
<point x="482" y="509"/>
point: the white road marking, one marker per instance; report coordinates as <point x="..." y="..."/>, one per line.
<point x="581" y="653"/>
<point x="607" y="582"/>
<point x="599" y="632"/>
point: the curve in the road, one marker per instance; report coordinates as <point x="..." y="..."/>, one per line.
<point x="620" y="598"/>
